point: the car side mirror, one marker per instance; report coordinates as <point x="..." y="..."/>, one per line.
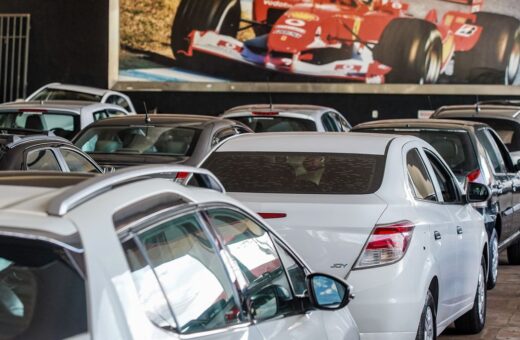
<point x="477" y="192"/>
<point x="327" y="292"/>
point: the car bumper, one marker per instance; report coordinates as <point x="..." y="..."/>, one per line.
<point x="389" y="336"/>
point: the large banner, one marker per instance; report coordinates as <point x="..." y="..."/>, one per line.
<point x="321" y="41"/>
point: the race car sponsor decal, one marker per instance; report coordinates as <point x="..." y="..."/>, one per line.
<point x="466" y="30"/>
<point x="231" y="46"/>
<point x="278" y="4"/>
<point x="292" y="28"/>
<point x="291" y="34"/>
<point x="305" y="16"/>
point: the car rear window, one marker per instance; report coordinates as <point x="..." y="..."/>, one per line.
<point x="62" y="124"/>
<point x="42" y="295"/>
<point x="55" y="94"/>
<point x="508" y="131"/>
<point x="297" y="173"/>
<point x="276" y="124"/>
<point x="157" y="140"/>
<point x="455" y="146"/>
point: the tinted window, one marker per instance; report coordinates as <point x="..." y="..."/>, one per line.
<point x="329" y="123"/>
<point x="76" y="162"/>
<point x="345" y="126"/>
<point x="118" y="100"/>
<point x="65" y="124"/>
<point x="107" y="114"/>
<point x="454" y="146"/>
<point x="160" y="140"/>
<point x="277" y="124"/>
<point x="190" y="272"/>
<point x="55" y="94"/>
<point x="492" y="151"/>
<point x="420" y="181"/>
<point x="43" y="160"/>
<point x="223" y="135"/>
<point x="509" y="131"/>
<point x="254" y="254"/>
<point x="42" y="296"/>
<point x="447" y="186"/>
<point x="298" y="173"/>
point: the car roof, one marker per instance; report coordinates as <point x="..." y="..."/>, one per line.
<point x="308" y="110"/>
<point x="73" y="106"/>
<point x="163" y="118"/>
<point x="476" y="111"/>
<point x="421" y="123"/>
<point x="320" y="142"/>
<point x="12" y="140"/>
<point x="78" y="88"/>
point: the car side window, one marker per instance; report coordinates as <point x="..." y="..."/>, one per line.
<point x="419" y="179"/>
<point x="76" y="162"/>
<point x="294" y="270"/>
<point x="98" y="115"/>
<point x="253" y="253"/>
<point x="504" y="152"/>
<point x="42" y="160"/>
<point x="342" y="122"/>
<point x="118" y="100"/>
<point x="223" y="135"/>
<point x="328" y="123"/>
<point x="446" y="182"/>
<point x="492" y="151"/>
<point x="180" y="255"/>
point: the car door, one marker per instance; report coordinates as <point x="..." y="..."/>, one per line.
<point x="182" y="282"/>
<point x="441" y="232"/>
<point x="467" y="242"/>
<point x="502" y="183"/>
<point x="275" y="297"/>
<point x="514" y="176"/>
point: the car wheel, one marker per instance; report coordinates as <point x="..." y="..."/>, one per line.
<point x="513" y="253"/>
<point x="427" y="326"/>
<point x="493" y="260"/>
<point x="222" y="16"/>
<point x="474" y="320"/>
<point x="495" y="59"/>
<point x="413" y="49"/>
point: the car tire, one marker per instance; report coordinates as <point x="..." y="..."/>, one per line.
<point x="427" y="325"/>
<point x="495" y="59"/>
<point x="513" y="253"/>
<point x="493" y="260"/>
<point x="475" y="319"/>
<point x="222" y="16"/>
<point x="397" y="48"/>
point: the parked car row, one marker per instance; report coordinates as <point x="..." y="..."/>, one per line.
<point x="411" y="213"/>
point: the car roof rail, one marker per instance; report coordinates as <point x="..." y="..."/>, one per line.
<point x="513" y="102"/>
<point x="90" y="188"/>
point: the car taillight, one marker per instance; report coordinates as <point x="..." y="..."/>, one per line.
<point x="272" y="215"/>
<point x="387" y="244"/>
<point x="473" y="176"/>
<point x="181" y="176"/>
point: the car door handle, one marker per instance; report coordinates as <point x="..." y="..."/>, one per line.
<point x="437" y="235"/>
<point x="460" y="231"/>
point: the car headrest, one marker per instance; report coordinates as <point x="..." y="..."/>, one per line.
<point x="449" y="150"/>
<point x="34" y="122"/>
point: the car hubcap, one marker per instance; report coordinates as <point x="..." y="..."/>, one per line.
<point x="428" y="324"/>
<point x="494" y="264"/>
<point x="481" y="295"/>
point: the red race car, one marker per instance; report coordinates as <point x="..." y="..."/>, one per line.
<point x="372" y="41"/>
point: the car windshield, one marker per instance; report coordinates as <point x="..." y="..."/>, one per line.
<point x="57" y="94"/>
<point x="297" y="173"/>
<point x="276" y="124"/>
<point x="42" y="296"/>
<point x="147" y="139"/>
<point x="62" y="124"/>
<point x="454" y="146"/>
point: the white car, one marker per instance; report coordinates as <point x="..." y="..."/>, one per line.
<point x="58" y="91"/>
<point x="288" y="118"/>
<point x="383" y="211"/>
<point x="134" y="255"/>
<point x="63" y="118"/>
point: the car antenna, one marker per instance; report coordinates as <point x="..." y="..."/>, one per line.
<point x="477" y="106"/>
<point x="269" y="94"/>
<point x="146" y="118"/>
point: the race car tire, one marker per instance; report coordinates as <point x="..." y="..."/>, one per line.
<point x="413" y="49"/>
<point x="222" y="16"/>
<point x="495" y="59"/>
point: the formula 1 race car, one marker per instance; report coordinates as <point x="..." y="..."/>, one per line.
<point x="372" y="41"/>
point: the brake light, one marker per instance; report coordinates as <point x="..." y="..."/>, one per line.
<point x="268" y="216"/>
<point x="264" y="113"/>
<point x="181" y="175"/>
<point x="387" y="244"/>
<point x="473" y="176"/>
